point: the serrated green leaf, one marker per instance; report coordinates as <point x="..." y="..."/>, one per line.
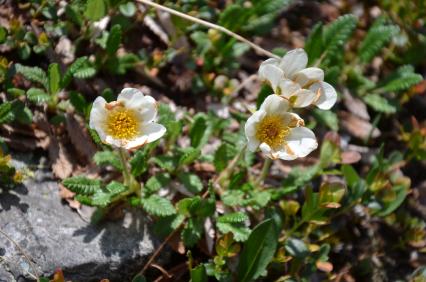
<point x="79" y="102"/>
<point x="233" y="217"/>
<point x="101" y="198"/>
<point x="223" y="155"/>
<point x="241" y="233"/>
<point x="94" y="135"/>
<point x="337" y="33"/>
<point x="73" y="68"/>
<point x="85" y="73"/>
<point x="157" y="182"/>
<point x="82" y="185"/>
<point x="189" y="155"/>
<point x="233" y="198"/>
<point x="233" y="17"/>
<point x="114" y="39"/>
<point x="54" y="79"/>
<point x="72" y="12"/>
<point x="139" y="163"/>
<point x="403" y="82"/>
<point x="258" y="251"/>
<point x="165" y="225"/>
<point x="6" y="113"/>
<point x="377" y="37"/>
<point x="105" y="158"/>
<point x="191" y="182"/>
<point x="95" y="9"/>
<point x="168" y="163"/>
<point x="158" y="206"/>
<point x="115" y="188"/>
<point x="192" y="232"/>
<point x="24" y="115"/>
<point x="200" y="131"/>
<point x="379" y="103"/>
<point x="34" y="74"/>
<point x="37" y="95"/>
<point x="314" y="44"/>
<point x="15" y="92"/>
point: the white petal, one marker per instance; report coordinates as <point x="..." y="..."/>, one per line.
<point x="271" y="61"/>
<point x="303" y="98"/>
<point x="150" y="132"/>
<point x="129" y="96"/>
<point x="294" y="61"/>
<point x="252" y="144"/>
<point x="327" y="95"/>
<point x="97" y="112"/>
<point x="154" y="131"/>
<point x="288" y="87"/>
<point x="308" y="76"/>
<point x="137" y="142"/>
<point x="275" y="104"/>
<point x="97" y="117"/>
<point x="114" y="142"/>
<point x="145" y="106"/>
<point x="292" y="120"/>
<point x="252" y="121"/>
<point x="301" y="142"/>
<point x="271" y="73"/>
<point x="266" y="149"/>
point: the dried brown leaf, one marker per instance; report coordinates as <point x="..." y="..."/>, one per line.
<point x="79" y="136"/>
<point x="355" y="106"/>
<point x="62" y="166"/>
<point x="350" y="157"/>
<point x="358" y="127"/>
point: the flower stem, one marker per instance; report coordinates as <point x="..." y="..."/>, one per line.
<point x="231" y="166"/>
<point x="129" y="180"/>
<point x="210" y="25"/>
<point x="264" y="172"/>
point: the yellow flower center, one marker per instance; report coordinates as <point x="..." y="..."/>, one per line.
<point x="122" y="123"/>
<point x="272" y="131"/>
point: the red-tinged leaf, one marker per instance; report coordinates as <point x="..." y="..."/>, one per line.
<point x="350" y="157"/>
<point x="58" y="276"/>
<point x="324" y="266"/>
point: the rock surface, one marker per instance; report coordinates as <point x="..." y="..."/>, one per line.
<point x="54" y="236"/>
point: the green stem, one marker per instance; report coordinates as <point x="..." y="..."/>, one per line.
<point x="265" y="171"/>
<point x="129" y="180"/>
<point x="126" y="171"/>
<point x="227" y="172"/>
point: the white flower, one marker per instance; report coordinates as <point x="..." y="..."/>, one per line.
<point x="278" y="133"/>
<point x="302" y="86"/>
<point x="127" y="122"/>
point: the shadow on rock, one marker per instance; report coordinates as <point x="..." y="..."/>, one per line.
<point x="10" y="197"/>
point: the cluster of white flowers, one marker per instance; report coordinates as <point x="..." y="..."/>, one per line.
<point x="276" y="131"/>
<point x="129" y="122"/>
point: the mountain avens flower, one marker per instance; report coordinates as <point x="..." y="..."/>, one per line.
<point x="302" y="86"/>
<point x="128" y="122"/>
<point x="278" y="133"/>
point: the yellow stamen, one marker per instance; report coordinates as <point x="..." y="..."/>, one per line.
<point x="272" y="131"/>
<point x="122" y="123"/>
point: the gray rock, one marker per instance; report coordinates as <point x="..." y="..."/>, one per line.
<point x="54" y="237"/>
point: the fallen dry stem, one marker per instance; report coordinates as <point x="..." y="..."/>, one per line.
<point x="35" y="275"/>
<point x="210" y="25"/>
